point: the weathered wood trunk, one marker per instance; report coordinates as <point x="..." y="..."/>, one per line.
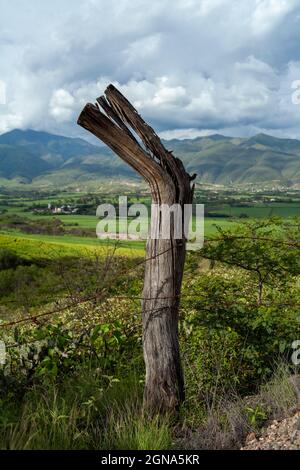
<point x="164" y="387"/>
<point x="169" y="184"/>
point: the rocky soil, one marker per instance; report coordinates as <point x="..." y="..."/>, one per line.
<point x="279" y="435"/>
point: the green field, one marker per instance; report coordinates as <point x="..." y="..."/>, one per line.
<point x="51" y="247"/>
<point x="242" y="206"/>
<point x="284" y="210"/>
<point x="45" y="246"/>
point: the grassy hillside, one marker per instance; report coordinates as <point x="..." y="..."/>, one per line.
<point x="29" y="156"/>
<point x="51" y="247"/>
<point x="223" y="160"/>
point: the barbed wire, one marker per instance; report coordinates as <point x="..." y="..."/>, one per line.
<point x="149" y="311"/>
<point x="226" y="303"/>
<point x="96" y="296"/>
<point x="103" y="294"/>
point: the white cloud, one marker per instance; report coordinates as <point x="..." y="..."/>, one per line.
<point x="2" y="93"/>
<point x="268" y="13"/>
<point x="253" y="66"/>
<point x="188" y="65"/>
<point x="144" y="47"/>
<point x="62" y="105"/>
<point x="200" y="7"/>
<point x="185" y="133"/>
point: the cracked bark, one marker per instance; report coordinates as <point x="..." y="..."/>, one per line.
<point x="169" y="184"/>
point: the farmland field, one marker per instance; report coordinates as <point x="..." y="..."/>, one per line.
<point x="284" y="210"/>
<point x="223" y="209"/>
<point x="51" y="247"/>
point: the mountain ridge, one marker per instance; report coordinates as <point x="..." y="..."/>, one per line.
<point x="34" y="156"/>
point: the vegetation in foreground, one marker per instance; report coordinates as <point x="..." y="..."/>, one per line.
<point x="74" y="372"/>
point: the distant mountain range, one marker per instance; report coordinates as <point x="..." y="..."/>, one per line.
<point x="52" y="160"/>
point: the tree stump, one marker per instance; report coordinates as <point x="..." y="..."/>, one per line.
<point x="169" y="184"/>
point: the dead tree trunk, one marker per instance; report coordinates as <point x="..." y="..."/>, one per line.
<point x="169" y="184"/>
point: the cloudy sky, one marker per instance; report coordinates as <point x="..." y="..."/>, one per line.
<point x="191" y="67"/>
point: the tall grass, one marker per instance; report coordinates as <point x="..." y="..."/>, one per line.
<point x="278" y="396"/>
<point x="91" y="411"/>
<point x="226" y="419"/>
<point x="82" y="415"/>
